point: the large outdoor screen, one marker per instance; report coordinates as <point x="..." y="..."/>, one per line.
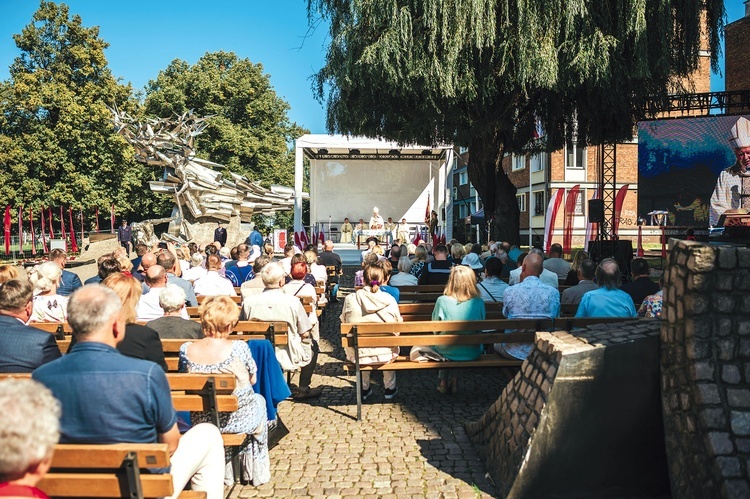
<point x="689" y="168"/>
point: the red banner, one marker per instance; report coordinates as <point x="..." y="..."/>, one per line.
<point x="44" y="243"/>
<point x="73" y="243"/>
<point x="33" y="236"/>
<point x="619" y="200"/>
<point x="20" y="229"/>
<point x="570" y="207"/>
<point x="62" y="225"/>
<point x="49" y="221"/>
<point x="7" y="229"/>
<point x="82" y="225"/>
<point x="549" y="220"/>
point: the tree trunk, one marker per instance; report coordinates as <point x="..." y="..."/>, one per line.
<point x="495" y="188"/>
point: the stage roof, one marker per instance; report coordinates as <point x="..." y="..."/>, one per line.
<point x="318" y="146"/>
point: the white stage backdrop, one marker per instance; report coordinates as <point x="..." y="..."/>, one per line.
<point x="351" y="188"/>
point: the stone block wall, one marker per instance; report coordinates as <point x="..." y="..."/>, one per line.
<point x="576" y="399"/>
<point x="706" y="370"/>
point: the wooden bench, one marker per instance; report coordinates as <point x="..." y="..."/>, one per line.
<point x="423" y="311"/>
<point x="408" y="334"/>
<point x="88" y="470"/>
<point x="202" y="298"/>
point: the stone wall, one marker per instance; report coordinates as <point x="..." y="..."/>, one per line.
<point x="706" y="370"/>
<point x="588" y="401"/>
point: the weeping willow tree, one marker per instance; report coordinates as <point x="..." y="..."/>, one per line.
<point x="486" y="73"/>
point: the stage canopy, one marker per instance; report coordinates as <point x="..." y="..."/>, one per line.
<point x="351" y="175"/>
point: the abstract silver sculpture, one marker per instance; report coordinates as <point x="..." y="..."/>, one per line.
<point x="209" y="195"/>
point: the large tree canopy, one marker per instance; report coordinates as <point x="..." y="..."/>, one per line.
<point x="57" y="143"/>
<point x="249" y="132"/>
<point x="483" y="73"/>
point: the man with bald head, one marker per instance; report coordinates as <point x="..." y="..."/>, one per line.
<point x="148" y="307"/>
<point x="109" y="398"/>
<point x="547" y="276"/>
<point x="529" y="299"/>
<point x="607" y="300"/>
<point x="147" y="260"/>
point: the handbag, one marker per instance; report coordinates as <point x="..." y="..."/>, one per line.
<point x="276" y="431"/>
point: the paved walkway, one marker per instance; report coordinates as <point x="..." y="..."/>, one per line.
<point x="413" y="446"/>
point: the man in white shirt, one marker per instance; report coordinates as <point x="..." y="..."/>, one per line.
<point x="148" y="307"/>
<point x="213" y="283"/>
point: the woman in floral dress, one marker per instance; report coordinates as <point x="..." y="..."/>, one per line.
<point x="216" y="354"/>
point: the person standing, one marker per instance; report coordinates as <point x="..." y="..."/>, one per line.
<point x="255" y="238"/>
<point x="346" y="232"/>
<point x="124" y="235"/>
<point x="220" y="234"/>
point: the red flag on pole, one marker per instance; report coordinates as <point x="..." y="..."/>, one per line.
<point x="62" y="226"/>
<point x="81" y="225"/>
<point x="549" y="220"/>
<point x="570" y="207"/>
<point x="7" y="229"/>
<point x="619" y="201"/>
<point x="44" y="243"/>
<point x="33" y="236"/>
<point x="112" y="217"/>
<point x="97" y="219"/>
<point x="49" y="221"/>
<point x="20" y="229"/>
<point x="73" y="243"/>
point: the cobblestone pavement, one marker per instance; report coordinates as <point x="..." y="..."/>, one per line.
<point x="412" y="446"/>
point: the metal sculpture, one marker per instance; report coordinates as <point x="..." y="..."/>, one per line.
<point x="208" y="194"/>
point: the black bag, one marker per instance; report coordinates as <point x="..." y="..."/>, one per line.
<point x="276" y="431"/>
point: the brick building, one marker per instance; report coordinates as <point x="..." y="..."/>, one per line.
<point x="736" y="58"/>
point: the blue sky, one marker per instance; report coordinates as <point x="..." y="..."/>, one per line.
<point x="145" y="36"/>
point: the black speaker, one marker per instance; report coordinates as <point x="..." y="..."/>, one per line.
<point x="596" y="211"/>
<point x="621" y="251"/>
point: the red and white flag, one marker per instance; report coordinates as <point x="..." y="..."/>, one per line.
<point x="570" y="207"/>
<point x="322" y="238"/>
<point x="7" y="229"/>
<point x="549" y="219"/>
<point x="20" y="229"/>
<point x="591" y="227"/>
<point x="62" y="224"/>
<point x="44" y="242"/>
<point x="619" y="201"/>
<point x="73" y="243"/>
<point x="49" y="222"/>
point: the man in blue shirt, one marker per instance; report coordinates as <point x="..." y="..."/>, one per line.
<point x="107" y="397"/>
<point x="255" y="238"/>
<point x="608" y="300"/>
<point x="69" y="281"/>
<point x="243" y="271"/>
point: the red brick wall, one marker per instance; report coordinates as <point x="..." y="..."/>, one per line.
<point x="736" y="55"/>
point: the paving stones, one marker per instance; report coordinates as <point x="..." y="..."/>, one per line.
<point x="413" y="446"/>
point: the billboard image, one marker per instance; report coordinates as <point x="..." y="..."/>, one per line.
<point x="693" y="168"/>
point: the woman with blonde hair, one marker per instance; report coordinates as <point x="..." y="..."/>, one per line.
<point x="372" y="304"/>
<point x="140" y="341"/>
<point x="419" y="261"/>
<point x="217" y="354"/>
<point x="572" y="277"/>
<point x="8" y="272"/>
<point x="48" y="305"/>
<point x="461" y="301"/>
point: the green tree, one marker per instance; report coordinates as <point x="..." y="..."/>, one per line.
<point x="250" y="132"/>
<point x="57" y="143"/>
<point x="483" y="73"/>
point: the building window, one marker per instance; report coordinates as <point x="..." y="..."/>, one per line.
<point x="455" y="193"/>
<point x="519" y="162"/>
<point x="580" y="159"/>
<point x="462" y="211"/>
<point x="578" y="210"/>
<point x="472" y="191"/>
<point x="539" y="203"/>
<point x="521" y="200"/>
<point x="463" y="178"/>
<point x="539" y="161"/>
